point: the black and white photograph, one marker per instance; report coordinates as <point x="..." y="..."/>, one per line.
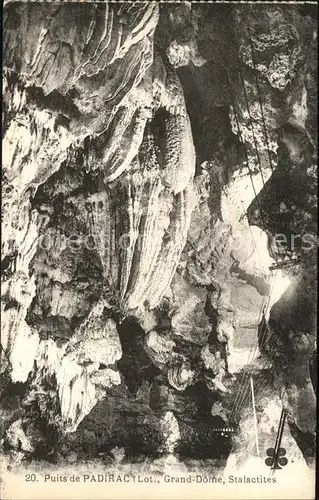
<point x="159" y="250"/>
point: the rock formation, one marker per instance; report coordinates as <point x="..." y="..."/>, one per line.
<point x="152" y="155"/>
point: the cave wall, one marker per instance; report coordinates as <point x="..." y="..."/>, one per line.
<point x="151" y="154"/>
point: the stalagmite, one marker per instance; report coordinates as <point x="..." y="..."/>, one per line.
<point x="150" y="161"/>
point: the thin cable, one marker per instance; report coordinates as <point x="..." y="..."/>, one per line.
<point x="243" y="376"/>
<point x="241" y="140"/>
<point x="243" y="388"/>
<point x="259" y="346"/>
<point x="260" y="102"/>
<point x="260" y="385"/>
<point x="268" y="362"/>
<point x="240" y="137"/>
<point x="252" y="128"/>
<point x="261" y="105"/>
<point x="255" y="142"/>
<point x="262" y="114"/>
<point x="263" y="338"/>
<point x="269" y="211"/>
<point x="262" y="382"/>
<point x="271" y="220"/>
<point x="245" y="153"/>
<point x="264" y="297"/>
<point x="244" y="393"/>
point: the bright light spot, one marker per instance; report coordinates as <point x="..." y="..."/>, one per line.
<point x="278" y="285"/>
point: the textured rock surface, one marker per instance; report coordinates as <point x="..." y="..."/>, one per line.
<point x="151" y="154"/>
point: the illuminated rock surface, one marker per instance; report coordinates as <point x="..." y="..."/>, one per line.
<point x="151" y="154"/>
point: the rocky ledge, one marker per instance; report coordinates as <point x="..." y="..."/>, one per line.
<point x="152" y="155"/>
